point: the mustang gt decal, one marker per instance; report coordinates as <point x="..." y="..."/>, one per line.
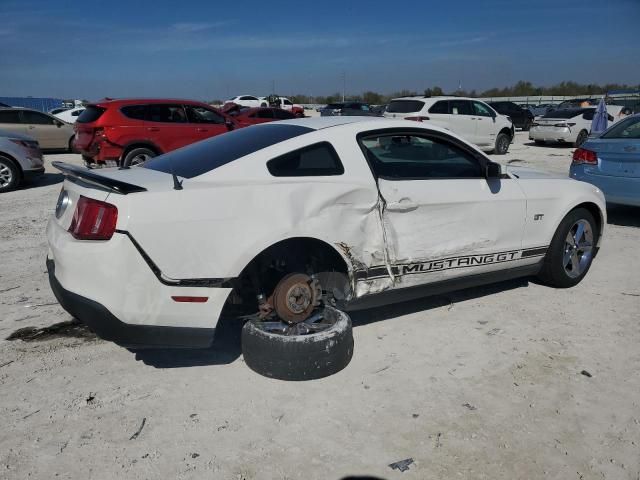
<point x="450" y="263"/>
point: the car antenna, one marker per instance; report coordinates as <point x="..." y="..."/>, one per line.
<point x="177" y="184"/>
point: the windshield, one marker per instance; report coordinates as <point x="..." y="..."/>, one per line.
<point x="207" y="155"/>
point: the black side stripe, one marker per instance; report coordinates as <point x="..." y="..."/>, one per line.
<point x="534" y="252"/>
<point x="227" y="282"/>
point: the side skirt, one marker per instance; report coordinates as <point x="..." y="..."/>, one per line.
<point x="438" y="288"/>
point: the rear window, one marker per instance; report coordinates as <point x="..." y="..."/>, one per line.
<point x="207" y="155"/>
<point x="405" y="106"/>
<point x="91" y="114"/>
<point x="568" y="112"/>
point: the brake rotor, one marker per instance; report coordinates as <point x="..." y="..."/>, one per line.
<point x="295" y="297"/>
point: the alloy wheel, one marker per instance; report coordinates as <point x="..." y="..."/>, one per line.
<point x="578" y="248"/>
<point x="6" y="176"/>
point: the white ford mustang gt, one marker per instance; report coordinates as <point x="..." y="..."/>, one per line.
<point x="278" y="218"/>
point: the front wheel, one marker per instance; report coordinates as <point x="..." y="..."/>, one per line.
<point x="9" y="175"/>
<point x="502" y="144"/>
<point x="571" y="251"/>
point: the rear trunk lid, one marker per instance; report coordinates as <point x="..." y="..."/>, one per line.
<point x="616" y="157"/>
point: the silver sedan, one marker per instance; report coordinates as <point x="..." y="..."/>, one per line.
<point x="20" y="160"/>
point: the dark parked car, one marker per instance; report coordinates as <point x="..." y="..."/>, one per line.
<point x="521" y="117"/>
<point x="347" y="109"/>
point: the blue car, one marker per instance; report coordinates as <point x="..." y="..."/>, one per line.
<point x="611" y="162"/>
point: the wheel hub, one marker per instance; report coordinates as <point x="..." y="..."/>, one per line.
<point x="295" y="297"/>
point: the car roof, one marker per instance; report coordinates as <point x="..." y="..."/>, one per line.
<point x="437" y="97"/>
<point x="137" y="101"/>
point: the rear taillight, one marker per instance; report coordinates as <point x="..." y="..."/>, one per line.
<point x="417" y="119"/>
<point x="584" y="156"/>
<point x="93" y="220"/>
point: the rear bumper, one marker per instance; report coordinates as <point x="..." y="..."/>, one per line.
<point x="553" y="134"/>
<point x="101" y="321"/>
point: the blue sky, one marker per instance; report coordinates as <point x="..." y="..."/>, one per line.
<point x="206" y="49"/>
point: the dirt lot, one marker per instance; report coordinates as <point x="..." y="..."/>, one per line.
<point x="482" y="384"/>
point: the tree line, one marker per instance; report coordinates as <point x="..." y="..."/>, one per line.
<point x="519" y="89"/>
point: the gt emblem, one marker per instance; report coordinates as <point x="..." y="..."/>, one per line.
<point x="538" y="216"/>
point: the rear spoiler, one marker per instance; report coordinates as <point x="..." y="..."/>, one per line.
<point x="76" y="172"/>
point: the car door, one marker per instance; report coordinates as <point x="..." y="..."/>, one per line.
<point x="10" y="121"/>
<point x="443" y="218"/>
<point x="461" y="119"/>
<point x="205" y="122"/>
<point x="46" y="129"/>
<point x="167" y="126"/>
<point x="485" y="124"/>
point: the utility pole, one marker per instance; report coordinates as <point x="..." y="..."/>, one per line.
<point x="344" y="85"/>
<point x="273" y="87"/>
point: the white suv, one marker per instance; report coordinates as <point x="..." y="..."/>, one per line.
<point x="472" y="119"/>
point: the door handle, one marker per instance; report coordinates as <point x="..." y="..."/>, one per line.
<point x="153" y="129"/>
<point x="31" y="127"/>
<point x="403" y="205"/>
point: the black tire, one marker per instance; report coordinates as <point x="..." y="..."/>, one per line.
<point x="71" y="149"/>
<point x="553" y="272"/>
<point x="136" y="156"/>
<point x="9" y="175"/>
<point x="264" y="105"/>
<point x="582" y="137"/>
<point x="502" y="144"/>
<point x="539" y="142"/>
<point x="299" y="357"/>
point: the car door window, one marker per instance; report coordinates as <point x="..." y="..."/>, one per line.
<point x="135" y="112"/>
<point x="411" y="157"/>
<point x="36" y="118"/>
<point x="9" y="116"/>
<point x="248" y="97"/>
<point x="287" y="102"/>
<point x="629" y="128"/>
<point x="167" y="113"/>
<point x="482" y="110"/>
<point x="460" y="107"/>
<point x="316" y="160"/>
<point x="198" y="114"/>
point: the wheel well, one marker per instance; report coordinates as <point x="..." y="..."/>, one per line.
<point x="507" y="131"/>
<point x="15" y="163"/>
<point x="150" y="146"/>
<point x="298" y="254"/>
<point x="594" y="210"/>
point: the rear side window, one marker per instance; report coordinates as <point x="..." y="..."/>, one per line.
<point x="405" y="106"/>
<point x="166" y="113"/>
<point x="135" y="112"/>
<point x="207" y="155"/>
<point x="317" y="160"/>
<point x="91" y="114"/>
<point x="9" y="116"/>
<point x="440" y="107"/>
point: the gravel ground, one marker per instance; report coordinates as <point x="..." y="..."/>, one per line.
<point x="483" y="384"/>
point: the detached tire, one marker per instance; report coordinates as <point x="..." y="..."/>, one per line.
<point x="299" y="357"/>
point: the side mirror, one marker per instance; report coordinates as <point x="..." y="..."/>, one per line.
<point x="230" y="125"/>
<point x="493" y="170"/>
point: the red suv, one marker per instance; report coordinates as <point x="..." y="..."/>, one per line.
<point x="131" y="131"/>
